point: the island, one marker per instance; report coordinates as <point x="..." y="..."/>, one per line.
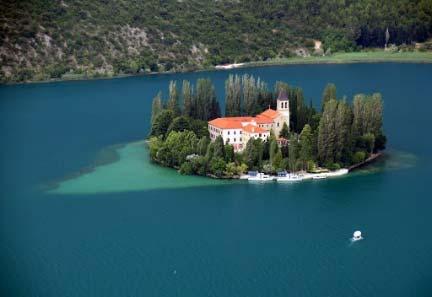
<point x="266" y="131"/>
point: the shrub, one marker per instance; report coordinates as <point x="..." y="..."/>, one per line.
<point x="359" y="157"/>
<point x="186" y="168"/>
<point x="217" y="166"/>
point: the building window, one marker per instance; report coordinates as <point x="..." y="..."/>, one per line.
<point x="278" y="124"/>
<point x="240" y="139"/>
<point x="260" y="135"/>
<point x="235" y="132"/>
<point x="234" y="139"/>
<point x="240" y="132"/>
<point x="228" y="132"/>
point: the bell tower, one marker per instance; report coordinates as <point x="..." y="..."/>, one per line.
<point x="283" y="108"/>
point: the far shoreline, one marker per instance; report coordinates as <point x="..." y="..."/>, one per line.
<point x="368" y="57"/>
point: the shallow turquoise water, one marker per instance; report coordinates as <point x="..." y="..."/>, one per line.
<point x="108" y="237"/>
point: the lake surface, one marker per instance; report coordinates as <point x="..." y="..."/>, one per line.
<point x="128" y="228"/>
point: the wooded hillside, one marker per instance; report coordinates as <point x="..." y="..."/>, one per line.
<point x="42" y="39"/>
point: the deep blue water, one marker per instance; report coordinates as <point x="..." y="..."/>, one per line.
<point x="233" y="240"/>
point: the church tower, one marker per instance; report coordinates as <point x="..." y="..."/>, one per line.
<point x="283" y="109"/>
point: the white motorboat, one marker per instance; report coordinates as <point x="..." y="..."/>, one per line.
<point x="357" y="236"/>
<point x="319" y="176"/>
<point x="289" y="178"/>
<point x="260" y="177"/>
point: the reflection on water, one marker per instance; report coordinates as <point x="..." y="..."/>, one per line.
<point x="128" y="168"/>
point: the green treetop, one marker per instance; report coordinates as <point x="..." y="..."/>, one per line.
<point x="328" y="94"/>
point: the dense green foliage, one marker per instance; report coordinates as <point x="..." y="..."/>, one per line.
<point x="43" y="39"/>
<point x="246" y="95"/>
<point x="341" y="135"/>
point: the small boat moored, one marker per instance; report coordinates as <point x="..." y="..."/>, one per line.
<point x="260" y="177"/>
<point x="283" y="176"/>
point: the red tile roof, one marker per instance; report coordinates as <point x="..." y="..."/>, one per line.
<point x="261" y="119"/>
<point x="254" y="129"/>
<point x="270" y="113"/>
<point x="230" y="122"/>
<point x="265" y="117"/>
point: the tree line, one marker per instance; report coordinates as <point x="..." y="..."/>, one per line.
<point x="338" y="135"/>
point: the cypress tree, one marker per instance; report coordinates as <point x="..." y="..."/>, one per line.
<point x="173" y="100"/>
<point x="306" y="145"/>
<point x="284" y="132"/>
<point x="301" y="110"/>
<point x="293" y="150"/>
<point x="204" y="96"/>
<point x="202" y="145"/>
<point x="249" y="94"/>
<point x="327" y="135"/>
<point x="156" y="106"/>
<point x="219" y="148"/>
<point x="214" y="109"/>
<point x="343" y="122"/>
<point x="274" y="149"/>
<point x="187" y="98"/>
<point x="229" y="96"/>
<point x="328" y="94"/>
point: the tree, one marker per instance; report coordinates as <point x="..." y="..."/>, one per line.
<point x="250" y="94"/>
<point x="214" y="109"/>
<point x="366" y="142"/>
<point x="380" y="142"/>
<point x="180" y="144"/>
<point x="301" y="111"/>
<point x="293" y="153"/>
<point x="343" y="123"/>
<point x="233" y="91"/>
<point x="229" y="153"/>
<point x="367" y="115"/>
<point x="161" y="123"/>
<point x="327" y="134"/>
<point x="306" y="146"/>
<point x="202" y="145"/>
<point x="328" y="94"/>
<point x="387" y="37"/>
<point x="187" y="98"/>
<point x="186" y="168"/>
<point x="274" y="150"/>
<point x="231" y="169"/>
<point x="217" y="166"/>
<point x="219" y="148"/>
<point x="284" y="131"/>
<point x="277" y="160"/>
<point x="173" y="100"/>
<point x="199" y="127"/>
<point x="156" y="106"/>
<point x="179" y="124"/>
<point x="253" y="153"/>
<point x="207" y="106"/>
<point x="359" y="157"/>
<point x="200" y="165"/>
<point x="154" y="143"/>
<point x="375" y="114"/>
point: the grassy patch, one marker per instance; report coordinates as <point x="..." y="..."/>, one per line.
<point x="354" y="57"/>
